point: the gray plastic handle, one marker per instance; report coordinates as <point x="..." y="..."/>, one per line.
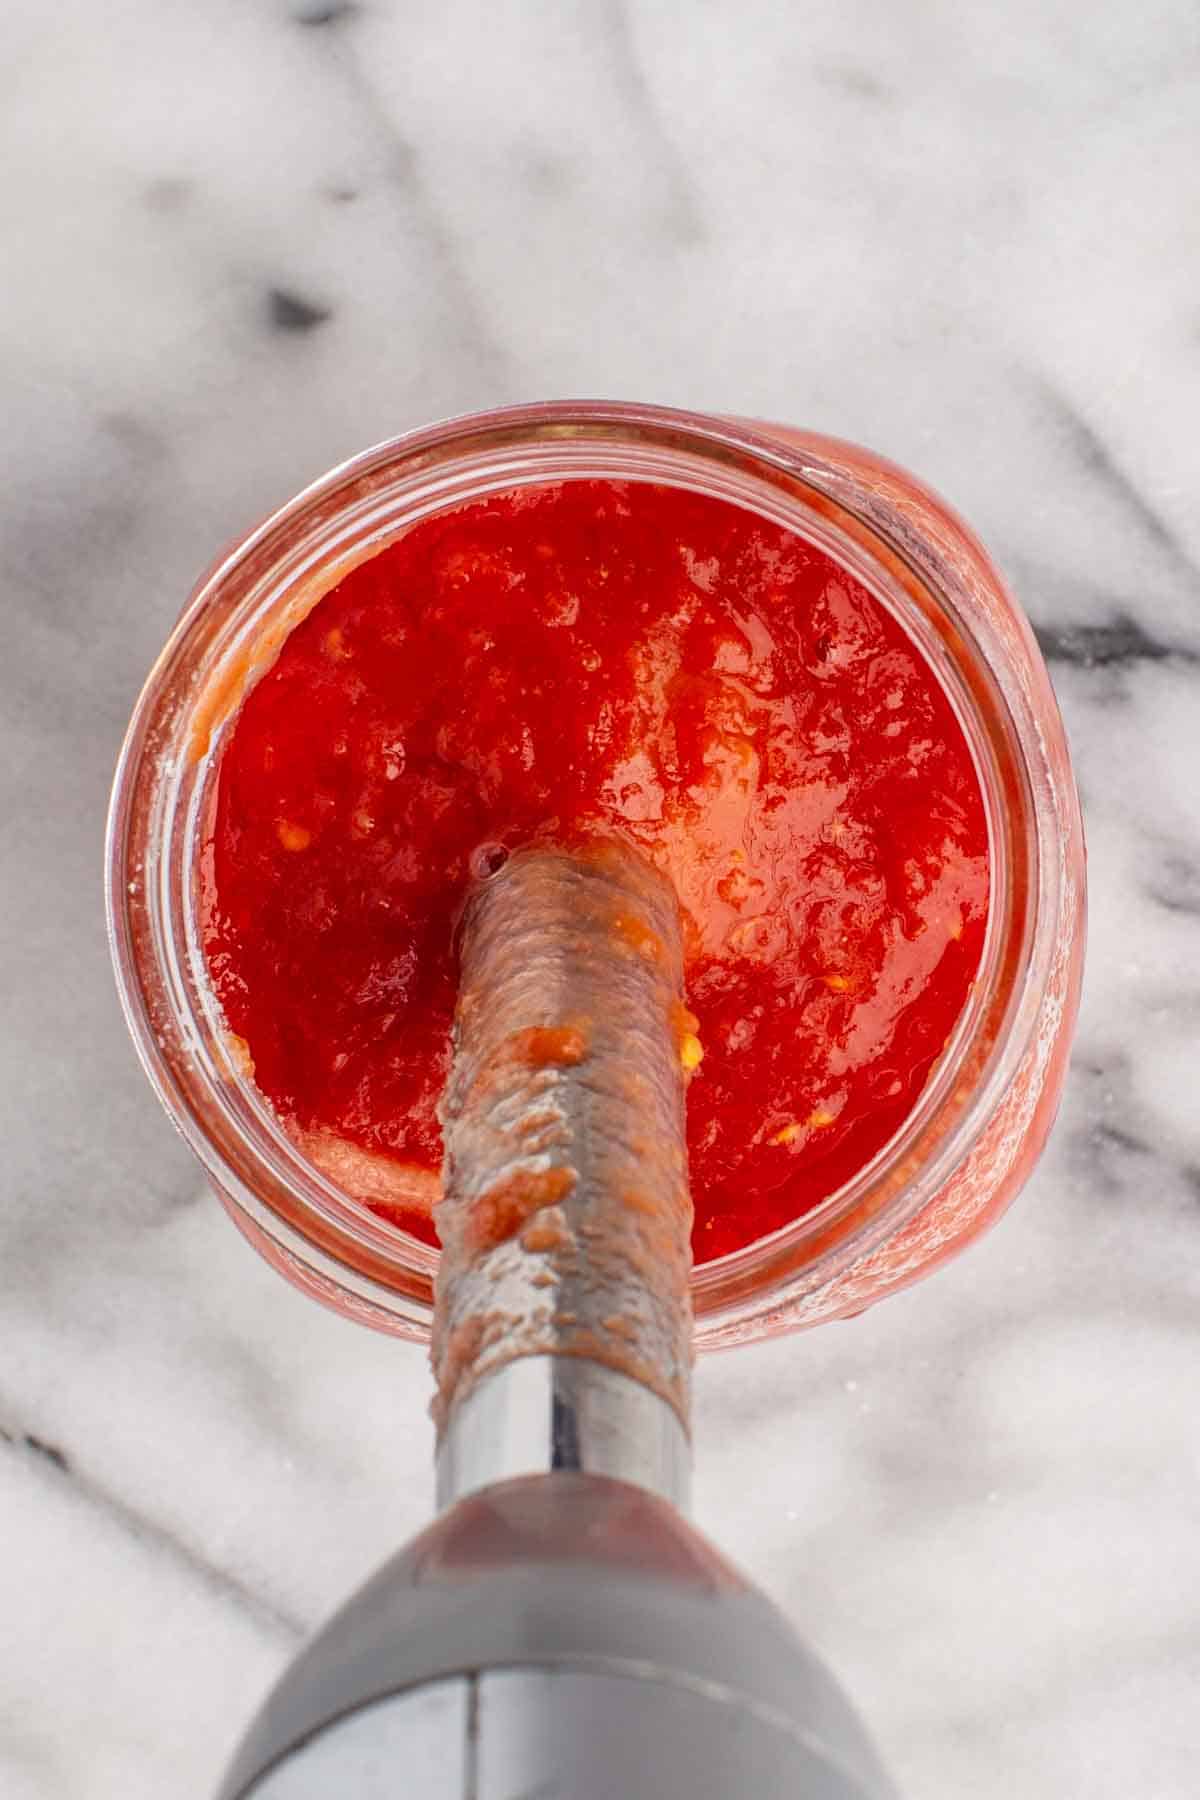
<point x="559" y="1635"/>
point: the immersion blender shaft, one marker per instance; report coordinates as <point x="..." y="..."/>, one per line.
<point x="566" y="1217"/>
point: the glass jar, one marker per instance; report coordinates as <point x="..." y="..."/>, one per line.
<point x="983" y="1115"/>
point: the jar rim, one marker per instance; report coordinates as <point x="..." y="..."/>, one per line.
<point x="243" y="609"/>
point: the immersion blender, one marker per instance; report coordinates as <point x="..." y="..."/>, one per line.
<point x="561" y="1632"/>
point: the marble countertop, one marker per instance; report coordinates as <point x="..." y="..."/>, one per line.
<point x="242" y="241"/>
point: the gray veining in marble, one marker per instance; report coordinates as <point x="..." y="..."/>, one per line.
<point x="242" y="239"/>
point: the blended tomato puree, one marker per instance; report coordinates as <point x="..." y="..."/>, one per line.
<point x="567" y="661"/>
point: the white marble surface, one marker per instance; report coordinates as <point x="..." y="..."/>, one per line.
<point x="242" y="239"/>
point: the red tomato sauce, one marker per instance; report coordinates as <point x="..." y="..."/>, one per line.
<point x="599" y="657"/>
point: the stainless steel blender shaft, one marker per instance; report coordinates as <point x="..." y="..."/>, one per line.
<point x="563" y="1331"/>
<point x="546" y="1413"/>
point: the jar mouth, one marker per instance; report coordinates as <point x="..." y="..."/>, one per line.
<point x="229" y="634"/>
